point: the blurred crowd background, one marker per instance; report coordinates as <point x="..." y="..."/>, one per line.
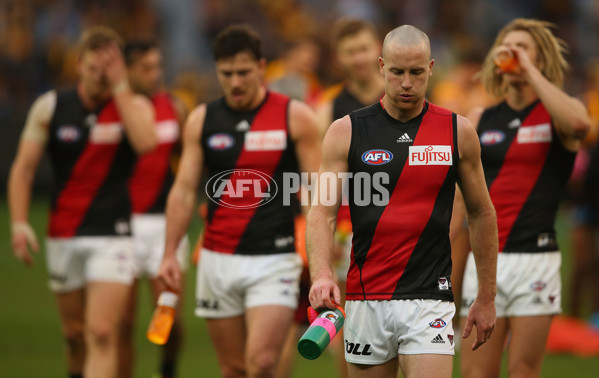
<point x="38" y="40"/>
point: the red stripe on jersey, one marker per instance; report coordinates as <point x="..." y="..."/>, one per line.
<point x="518" y="175"/>
<point x="87" y="175"/>
<point x="227" y="225"/>
<point x="407" y="214"/>
<point x="151" y="169"/>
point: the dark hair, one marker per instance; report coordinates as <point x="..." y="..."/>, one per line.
<point x="136" y="48"/>
<point x="235" y="39"/>
<point x="98" y="37"/>
<point x="348" y="27"/>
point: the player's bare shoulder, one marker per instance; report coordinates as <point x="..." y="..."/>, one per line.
<point x="302" y="120"/>
<point x="468" y="144"/>
<point x="194" y="125"/>
<point x="337" y="139"/>
<point x="474" y="116"/>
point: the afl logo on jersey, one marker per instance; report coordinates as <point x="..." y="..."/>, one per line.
<point x="221" y="141"/>
<point x="491" y="137"/>
<point x="377" y="157"/>
<point x="68" y="133"/>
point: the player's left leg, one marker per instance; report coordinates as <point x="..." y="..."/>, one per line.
<point x="126" y="351"/>
<point x="526" y="348"/>
<point x="105" y="305"/>
<point x="426" y="365"/>
<point x="267" y="328"/>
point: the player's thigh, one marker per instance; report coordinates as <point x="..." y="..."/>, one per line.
<point x="387" y="369"/>
<point x="71" y="309"/>
<point x="228" y="336"/>
<point x="268" y="327"/>
<point x="105" y="305"/>
<point x="486" y="360"/>
<point x="526" y="348"/>
<point x="426" y="365"/>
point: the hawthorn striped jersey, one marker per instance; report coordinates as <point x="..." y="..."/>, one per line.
<point x="152" y="176"/>
<point x="246" y="154"/>
<point x="401" y="249"/>
<point x="526" y="170"/>
<point x="91" y="162"/>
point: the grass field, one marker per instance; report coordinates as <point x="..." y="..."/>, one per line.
<point x="31" y="343"/>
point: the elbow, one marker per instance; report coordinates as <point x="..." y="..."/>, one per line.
<point x="581" y="127"/>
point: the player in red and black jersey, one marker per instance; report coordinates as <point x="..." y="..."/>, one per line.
<point x="152" y="178"/>
<point x="528" y="142"/>
<point x="405" y="156"/>
<point x="248" y="271"/>
<point x="91" y="134"/>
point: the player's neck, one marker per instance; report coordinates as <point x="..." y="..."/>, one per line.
<point x="519" y="97"/>
<point x="367" y="91"/>
<point x="402" y="115"/>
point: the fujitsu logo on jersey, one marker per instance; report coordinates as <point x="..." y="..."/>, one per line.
<point x="274" y="140"/>
<point x="377" y="157"/>
<point x="430" y="155"/>
<point x="221" y="141"/>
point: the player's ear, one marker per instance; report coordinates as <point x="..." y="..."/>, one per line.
<point x="381" y="65"/>
<point x="430" y="67"/>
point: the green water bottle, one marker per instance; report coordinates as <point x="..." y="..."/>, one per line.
<point x="323" y="327"/>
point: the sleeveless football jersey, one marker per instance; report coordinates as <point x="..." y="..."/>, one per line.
<point x="152" y="176"/>
<point x="401" y="250"/>
<point x="246" y="154"/>
<point x="526" y="169"/>
<point x="91" y="162"/>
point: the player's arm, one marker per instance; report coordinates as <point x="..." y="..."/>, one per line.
<point x="324" y="113"/>
<point x="569" y="114"/>
<point x="182" y="197"/>
<point x="303" y="127"/>
<point x="321" y="222"/>
<point x="136" y="111"/>
<point x="482" y="223"/>
<point x="31" y="148"/>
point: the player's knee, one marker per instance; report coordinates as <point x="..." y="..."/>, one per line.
<point x="524" y="369"/>
<point x="233" y="371"/>
<point x="262" y="364"/>
<point x="101" y="335"/>
<point x="74" y="336"/>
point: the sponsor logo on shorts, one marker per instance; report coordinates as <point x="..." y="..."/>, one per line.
<point x="377" y="157"/>
<point x="221" y="141"/>
<point x="354" y="348"/>
<point x="207" y="304"/>
<point x="437" y="323"/>
<point x="450" y="338"/>
<point x="552" y="298"/>
<point x="444" y="283"/>
<point x="68" y="133"/>
<point x="430" y="155"/>
<point x="56" y="278"/>
<point x="492" y="137"/>
<point x="538" y="286"/>
<point x="438" y="340"/>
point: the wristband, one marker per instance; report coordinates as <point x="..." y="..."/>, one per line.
<point x="120" y="87"/>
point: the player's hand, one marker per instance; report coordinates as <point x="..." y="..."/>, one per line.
<point x="324" y="293"/>
<point x="170" y="273"/>
<point x="523" y="59"/>
<point x="481" y="315"/>
<point x="115" y="69"/>
<point x="23" y="239"/>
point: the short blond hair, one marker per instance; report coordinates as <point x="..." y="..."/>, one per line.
<point x="97" y="37"/>
<point x="550" y="54"/>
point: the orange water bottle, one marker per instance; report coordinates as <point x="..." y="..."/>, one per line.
<point x="164" y="316"/>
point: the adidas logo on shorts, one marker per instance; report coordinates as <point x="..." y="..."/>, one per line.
<point x="438" y="340"/>
<point x="404" y="139"/>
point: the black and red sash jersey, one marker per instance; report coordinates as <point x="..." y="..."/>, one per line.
<point x="246" y="155"/>
<point x="526" y="169"/>
<point x="152" y="176"/>
<point x="401" y="250"/>
<point x="91" y="162"/>
<point x="344" y="104"/>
